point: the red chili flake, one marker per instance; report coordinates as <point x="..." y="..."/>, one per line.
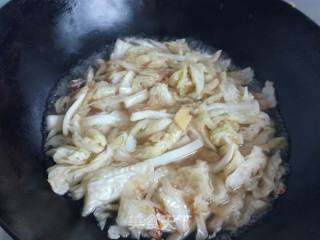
<point x="73" y="90"/>
<point x="281" y="189"/>
<point x="158" y="211"/>
<point x="156" y="234"/>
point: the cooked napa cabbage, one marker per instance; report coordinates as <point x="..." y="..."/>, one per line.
<point x="166" y="139"/>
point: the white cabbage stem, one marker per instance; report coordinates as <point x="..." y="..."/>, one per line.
<point x="54" y="122"/>
<point x="232" y="107"/>
<point x="137" y="98"/>
<point x="104" y="119"/>
<point x="71" y="111"/>
<point x="136" y="116"/>
<point x="107" y="185"/>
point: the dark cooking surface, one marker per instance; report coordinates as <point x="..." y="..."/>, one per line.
<point x="41" y="40"/>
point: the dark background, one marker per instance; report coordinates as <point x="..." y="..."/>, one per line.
<point x="297" y="214"/>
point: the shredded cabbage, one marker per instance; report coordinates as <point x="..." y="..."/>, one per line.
<point x="160" y="95"/>
<point x="249" y="168"/>
<point x="176" y="206"/>
<point x="106" y="118"/>
<point x="54" y="123"/>
<point x="167" y="139"/>
<point x="136" y="116"/>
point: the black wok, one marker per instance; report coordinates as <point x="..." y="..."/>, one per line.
<point x="41" y="40"/>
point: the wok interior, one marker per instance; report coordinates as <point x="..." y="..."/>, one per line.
<point x="41" y="41"/>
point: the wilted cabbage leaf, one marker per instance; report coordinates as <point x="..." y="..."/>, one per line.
<point x="166" y="138"/>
